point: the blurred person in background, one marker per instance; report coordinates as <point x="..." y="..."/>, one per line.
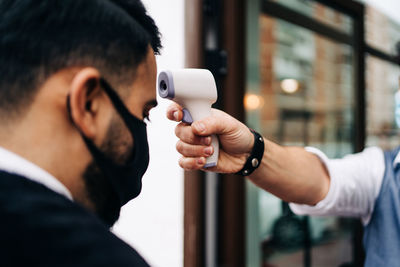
<point x="77" y="81"/>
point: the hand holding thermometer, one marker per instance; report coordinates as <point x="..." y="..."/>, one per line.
<point x="195" y="91"/>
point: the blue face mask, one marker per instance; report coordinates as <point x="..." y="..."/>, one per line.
<point x="397" y="108"/>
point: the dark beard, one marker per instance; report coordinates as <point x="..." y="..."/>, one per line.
<point x="99" y="189"/>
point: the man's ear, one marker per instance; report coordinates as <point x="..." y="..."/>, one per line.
<point x="84" y="99"/>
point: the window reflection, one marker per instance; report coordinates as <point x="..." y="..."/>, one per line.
<point x="307" y="88"/>
<point x="320" y="13"/>
<point x="381" y="32"/>
<point x="306" y="97"/>
<point x="382" y="83"/>
<point x="306" y="91"/>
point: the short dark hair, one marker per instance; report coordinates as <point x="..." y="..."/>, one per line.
<point x="40" y="38"/>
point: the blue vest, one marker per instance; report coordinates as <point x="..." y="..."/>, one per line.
<point x="382" y="234"/>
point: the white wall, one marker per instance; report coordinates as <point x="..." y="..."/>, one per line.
<point x="153" y="222"/>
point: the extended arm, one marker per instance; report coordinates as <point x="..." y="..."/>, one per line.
<point x="291" y="173"/>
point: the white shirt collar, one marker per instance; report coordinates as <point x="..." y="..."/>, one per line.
<point x="13" y="163"/>
<point x="396" y="160"/>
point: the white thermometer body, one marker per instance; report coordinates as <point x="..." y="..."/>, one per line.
<point x="195" y="90"/>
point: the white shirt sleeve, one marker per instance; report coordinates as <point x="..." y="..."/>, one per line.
<point x="355" y="182"/>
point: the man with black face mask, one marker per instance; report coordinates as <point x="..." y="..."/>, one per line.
<point x="77" y="82"/>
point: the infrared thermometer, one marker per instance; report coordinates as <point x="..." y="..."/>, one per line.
<point x="195" y="91"/>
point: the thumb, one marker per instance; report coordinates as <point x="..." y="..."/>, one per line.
<point x="209" y="126"/>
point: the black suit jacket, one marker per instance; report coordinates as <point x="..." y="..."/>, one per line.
<point x="39" y="227"/>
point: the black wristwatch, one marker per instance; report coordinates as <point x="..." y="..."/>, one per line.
<point x="256" y="155"/>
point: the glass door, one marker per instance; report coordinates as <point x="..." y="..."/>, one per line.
<point x="301" y="90"/>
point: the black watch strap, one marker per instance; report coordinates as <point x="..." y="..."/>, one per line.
<point x="256" y="155"/>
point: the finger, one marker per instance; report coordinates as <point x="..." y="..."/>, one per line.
<point x="194" y="151"/>
<point x="192" y="163"/>
<point x="174" y="112"/>
<point x="185" y="133"/>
